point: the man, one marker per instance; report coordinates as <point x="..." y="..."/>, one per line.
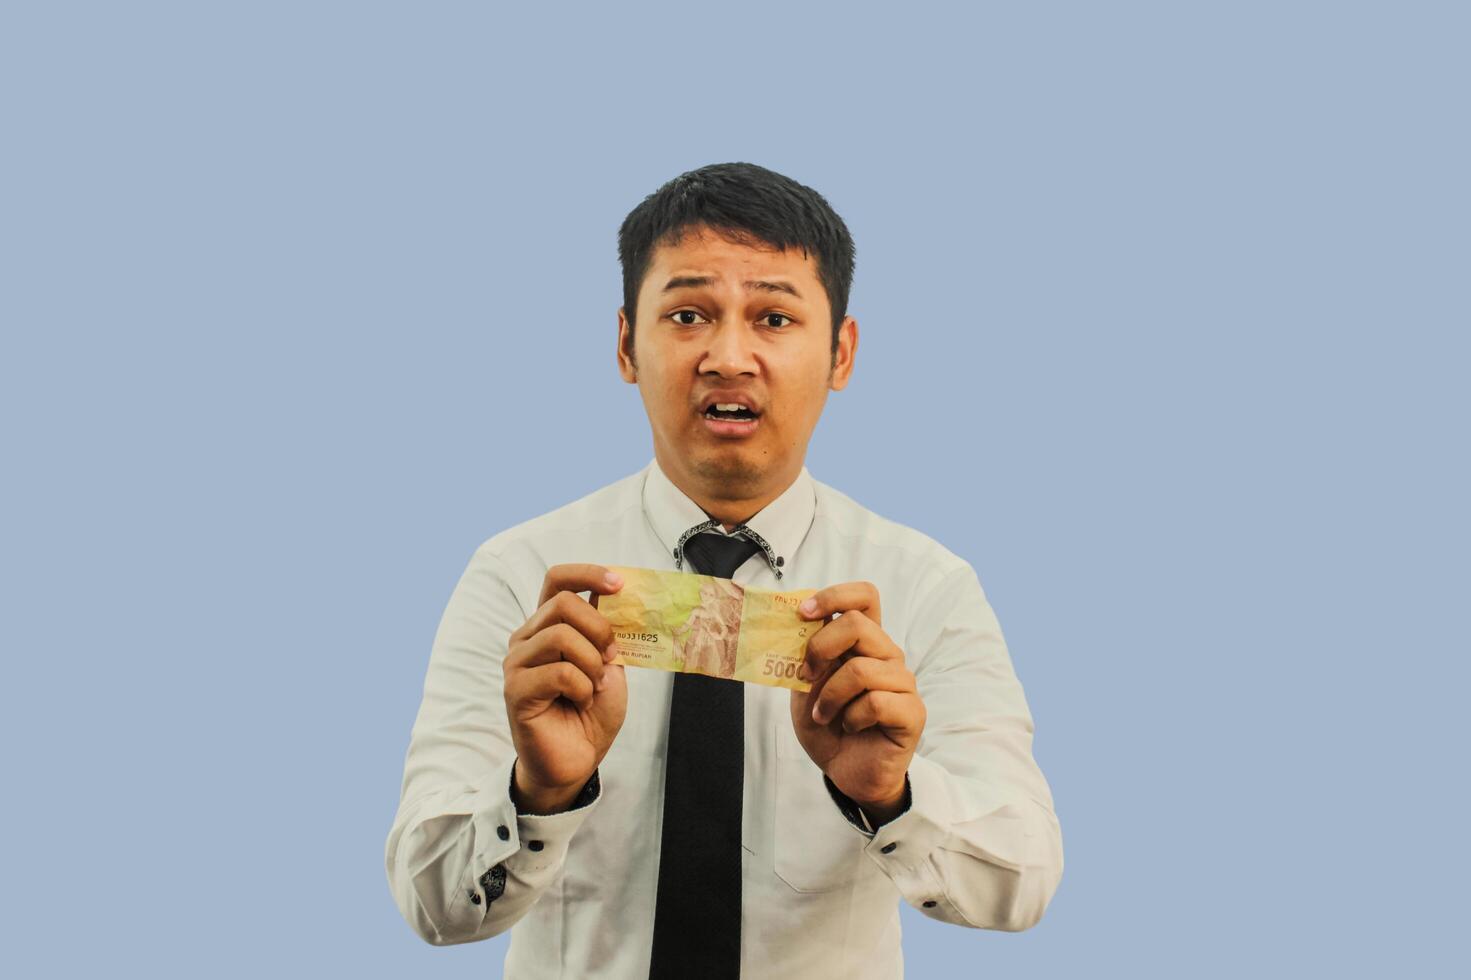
<point x="637" y="823"/>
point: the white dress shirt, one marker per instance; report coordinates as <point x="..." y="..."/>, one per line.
<point x="979" y="846"/>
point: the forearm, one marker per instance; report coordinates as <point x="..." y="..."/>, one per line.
<point x="970" y="853"/>
<point x="464" y="867"/>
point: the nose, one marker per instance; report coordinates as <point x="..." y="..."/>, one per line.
<point x="731" y="350"/>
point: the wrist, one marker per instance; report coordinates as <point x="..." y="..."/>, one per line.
<point x="881" y="809"/>
<point x="538" y="800"/>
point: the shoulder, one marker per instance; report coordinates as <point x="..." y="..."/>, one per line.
<point x="588" y="515"/>
<point x="923" y="585"/>
<point x="877" y="541"/>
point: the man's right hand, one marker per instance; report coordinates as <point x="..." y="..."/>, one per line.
<point x="564" y="700"/>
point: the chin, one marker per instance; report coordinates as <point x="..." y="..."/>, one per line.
<point x="737" y="469"/>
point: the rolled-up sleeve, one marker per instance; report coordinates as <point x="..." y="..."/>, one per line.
<point x="980" y="844"/>
<point x="462" y="864"/>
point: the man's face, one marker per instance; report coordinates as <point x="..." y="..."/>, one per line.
<point x="707" y="325"/>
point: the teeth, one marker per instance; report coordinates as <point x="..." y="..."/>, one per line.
<point x="730" y="407"/>
<point x="713" y="410"/>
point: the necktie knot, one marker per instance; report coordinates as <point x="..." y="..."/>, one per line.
<point x="718" y="554"/>
<point x="724" y="551"/>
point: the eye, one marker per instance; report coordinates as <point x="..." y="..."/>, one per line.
<point x="781" y="316"/>
<point x="684" y="313"/>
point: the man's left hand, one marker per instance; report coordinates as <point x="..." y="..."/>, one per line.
<point x="863" y="717"/>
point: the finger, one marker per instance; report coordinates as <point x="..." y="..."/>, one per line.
<point x="597" y="579"/>
<point x="849" y="596"/>
<point x="852" y="631"/>
<point x="855" y="677"/>
<point x="827" y="646"/>
<point x="575" y="611"/>
<point x="611" y="702"/>
<point x="819" y="682"/>
<point x="899" y="714"/>
<point x="530" y="691"/>
<point x="559" y="642"/>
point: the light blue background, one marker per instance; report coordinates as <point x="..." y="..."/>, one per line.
<point x="1163" y="314"/>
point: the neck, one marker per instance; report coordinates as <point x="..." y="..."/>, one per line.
<point x="718" y="503"/>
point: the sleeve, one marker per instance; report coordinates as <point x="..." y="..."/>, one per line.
<point x="979" y="844"/>
<point x="462" y="864"/>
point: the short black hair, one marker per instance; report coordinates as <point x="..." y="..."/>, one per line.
<point x="746" y="203"/>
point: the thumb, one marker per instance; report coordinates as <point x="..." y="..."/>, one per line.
<point x="611" y="703"/>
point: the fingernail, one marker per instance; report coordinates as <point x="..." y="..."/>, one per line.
<point x="815" y="716"/>
<point x="808" y="607"/>
<point x="804" y="671"/>
<point x="610" y="653"/>
<point x="613" y="579"/>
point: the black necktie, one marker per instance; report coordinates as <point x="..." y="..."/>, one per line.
<point x="697" y="914"/>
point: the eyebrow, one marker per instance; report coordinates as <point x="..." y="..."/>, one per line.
<point x="688" y="282"/>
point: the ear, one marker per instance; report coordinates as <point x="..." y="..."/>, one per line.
<point x="843" y="357"/>
<point x="627" y="367"/>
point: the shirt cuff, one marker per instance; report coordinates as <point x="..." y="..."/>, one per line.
<point x="543" y="838"/>
<point x="526" y="843"/>
<point x="902" y="847"/>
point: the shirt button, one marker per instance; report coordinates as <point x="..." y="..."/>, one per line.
<point x="535" y="845"/>
<point x="929" y="905"/>
<point x="889" y="848"/>
<point x="503" y="832"/>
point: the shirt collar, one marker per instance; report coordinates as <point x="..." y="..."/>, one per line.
<point x="781" y="524"/>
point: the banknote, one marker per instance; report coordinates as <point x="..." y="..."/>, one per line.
<point x="706" y="625"/>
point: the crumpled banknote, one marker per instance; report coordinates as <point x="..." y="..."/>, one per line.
<point x="701" y="624"/>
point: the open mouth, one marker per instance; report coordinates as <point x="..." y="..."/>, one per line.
<point x="729" y="414"/>
<point x="731" y="420"/>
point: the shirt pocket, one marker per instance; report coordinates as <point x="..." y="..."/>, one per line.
<point x="816" y="849"/>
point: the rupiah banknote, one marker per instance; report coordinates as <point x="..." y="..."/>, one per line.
<point x="701" y="624"/>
